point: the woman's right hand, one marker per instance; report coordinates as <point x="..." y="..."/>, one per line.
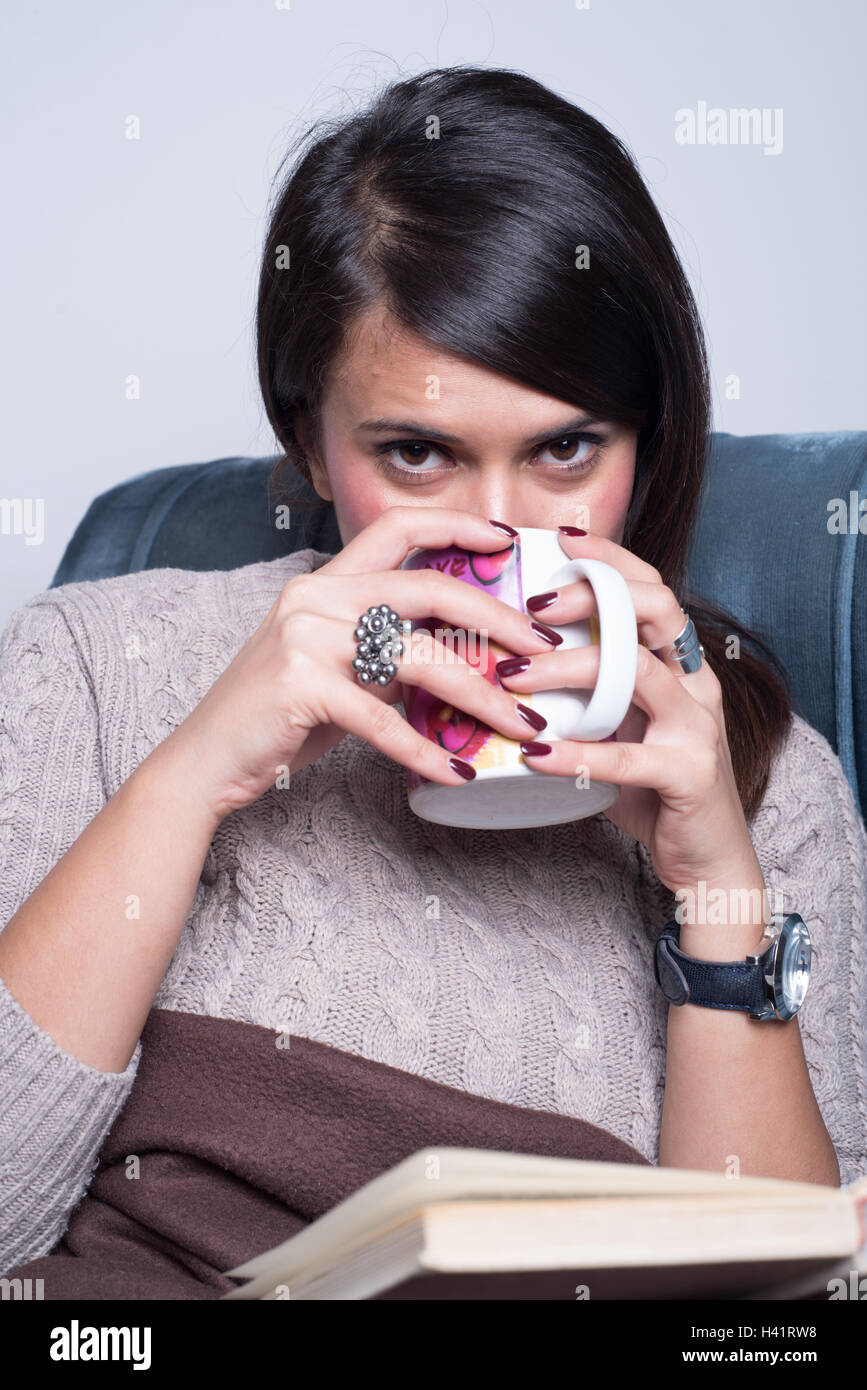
<point x="291" y="693"/>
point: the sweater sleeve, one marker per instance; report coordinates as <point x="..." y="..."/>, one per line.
<point x="812" y="847"/>
<point x="55" y="1110"/>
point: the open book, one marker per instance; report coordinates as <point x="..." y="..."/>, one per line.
<point x="460" y="1223"/>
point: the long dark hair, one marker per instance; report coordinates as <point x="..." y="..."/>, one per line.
<point x="459" y="199"/>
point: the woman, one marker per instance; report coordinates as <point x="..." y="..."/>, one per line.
<point x="470" y="318"/>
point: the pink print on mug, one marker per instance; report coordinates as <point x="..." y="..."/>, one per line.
<point x="506" y="791"/>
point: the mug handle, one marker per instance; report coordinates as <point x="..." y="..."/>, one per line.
<point x="618" y="662"/>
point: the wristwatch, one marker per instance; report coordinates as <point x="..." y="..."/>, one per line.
<point x="768" y="985"/>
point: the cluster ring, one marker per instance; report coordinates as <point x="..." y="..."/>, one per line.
<point x="378" y="641"/>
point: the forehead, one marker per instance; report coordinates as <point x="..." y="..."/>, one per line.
<point x="384" y="369"/>
<point x="376" y="343"/>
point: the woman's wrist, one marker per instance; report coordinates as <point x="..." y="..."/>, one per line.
<point x="723" y="919"/>
<point x="715" y="943"/>
<point x="178" y="775"/>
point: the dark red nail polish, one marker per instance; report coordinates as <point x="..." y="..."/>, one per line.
<point x="465" y="769"/>
<point x="532" y="716"/>
<point x="572" y="530"/>
<point x="513" y="665"/>
<point x="535" y="750"/>
<point x="503" y="526"/>
<point x="540" y="601"/>
<point x="555" y="638"/>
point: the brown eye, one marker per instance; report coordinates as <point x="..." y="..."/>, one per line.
<point x="404" y="459"/>
<point x="564" y="448"/>
<point x="566" y="451"/>
<point x="408" y="456"/>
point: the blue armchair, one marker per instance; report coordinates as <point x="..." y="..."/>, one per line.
<point x="762" y="550"/>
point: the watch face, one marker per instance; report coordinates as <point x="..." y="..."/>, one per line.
<point x="792" y="966"/>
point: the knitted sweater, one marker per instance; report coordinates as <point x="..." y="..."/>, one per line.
<point x="516" y="965"/>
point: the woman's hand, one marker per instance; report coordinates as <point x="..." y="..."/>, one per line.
<point x="291" y="692"/>
<point x="671" y="757"/>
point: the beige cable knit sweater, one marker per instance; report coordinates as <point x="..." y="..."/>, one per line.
<point x="516" y="965"/>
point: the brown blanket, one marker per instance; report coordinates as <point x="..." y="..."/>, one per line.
<point x="241" y="1143"/>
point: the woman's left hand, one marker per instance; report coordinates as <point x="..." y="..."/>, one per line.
<point x="678" y="792"/>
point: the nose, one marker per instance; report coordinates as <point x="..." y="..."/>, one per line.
<point x="502" y="499"/>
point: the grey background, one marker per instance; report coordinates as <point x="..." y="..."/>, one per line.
<point x="140" y="257"/>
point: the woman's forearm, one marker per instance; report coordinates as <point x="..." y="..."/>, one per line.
<point x="84" y="955"/>
<point x="738" y="1095"/>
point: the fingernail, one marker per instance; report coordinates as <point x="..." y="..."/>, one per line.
<point x="535" y="750"/>
<point x="532" y="716"/>
<point x="572" y="530"/>
<point x="555" y="638"/>
<point x="465" y="769"/>
<point x="509" y="530"/>
<point x="540" y="601"/>
<point x="513" y="665"/>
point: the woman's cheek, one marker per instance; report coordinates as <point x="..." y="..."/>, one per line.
<point x="360" y="495"/>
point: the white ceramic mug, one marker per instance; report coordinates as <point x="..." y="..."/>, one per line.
<point x="506" y="793"/>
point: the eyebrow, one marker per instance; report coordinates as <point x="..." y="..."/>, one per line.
<point x="578" y="422"/>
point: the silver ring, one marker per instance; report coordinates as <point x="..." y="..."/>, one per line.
<point x="377" y="643"/>
<point x="686" y="649"/>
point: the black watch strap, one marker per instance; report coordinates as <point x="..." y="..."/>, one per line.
<point x="715" y="984"/>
